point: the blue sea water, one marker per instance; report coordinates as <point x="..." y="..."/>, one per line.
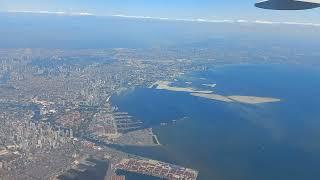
<point x="131" y="175"/>
<point x="233" y="140"/>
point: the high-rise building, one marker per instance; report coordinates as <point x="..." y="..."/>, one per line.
<point x="71" y="133"/>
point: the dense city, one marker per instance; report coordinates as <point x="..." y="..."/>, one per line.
<point x="56" y="112"/>
<point x="57" y="119"/>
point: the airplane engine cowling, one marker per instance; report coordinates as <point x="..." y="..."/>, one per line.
<point x="286" y="5"/>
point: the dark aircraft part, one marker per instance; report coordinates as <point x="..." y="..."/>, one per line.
<point x="286" y="5"/>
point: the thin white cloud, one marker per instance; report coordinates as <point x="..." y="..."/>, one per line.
<point x="54" y="12"/>
<point x="199" y="20"/>
<point x="264" y="22"/>
<point x="242" y="21"/>
<point x="220" y="21"/>
<point x="173" y="19"/>
<point x="303" y="24"/>
<point x="287" y="23"/>
<point x="82" y="14"/>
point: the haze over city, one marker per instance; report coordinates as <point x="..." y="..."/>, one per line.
<point x="176" y="9"/>
<point x="149" y="90"/>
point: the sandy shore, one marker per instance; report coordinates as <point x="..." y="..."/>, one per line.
<point x="213" y="97"/>
<point x="241" y="99"/>
<point x="253" y="99"/>
<point x="166" y="86"/>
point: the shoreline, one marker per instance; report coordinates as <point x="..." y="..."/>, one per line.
<point x="165" y="85"/>
<point x="155" y="137"/>
<point x="238" y="99"/>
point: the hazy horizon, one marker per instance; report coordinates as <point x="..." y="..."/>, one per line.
<point x="230" y="9"/>
<point x="57" y="30"/>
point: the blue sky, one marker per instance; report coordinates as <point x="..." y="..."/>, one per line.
<point x="210" y="9"/>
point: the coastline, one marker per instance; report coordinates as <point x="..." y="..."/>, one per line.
<point x="155" y="138"/>
<point x="165" y="85"/>
<point x="239" y="99"/>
